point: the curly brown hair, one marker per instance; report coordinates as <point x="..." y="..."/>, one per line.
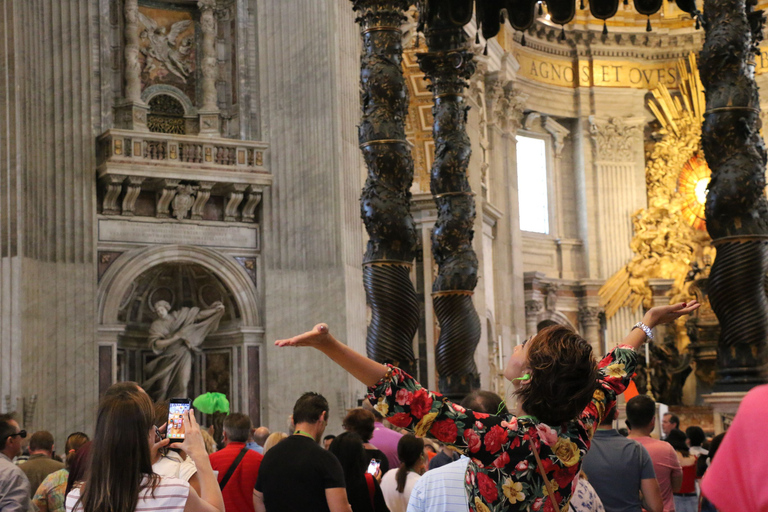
<point x="360" y="422"/>
<point x="563" y="376"/>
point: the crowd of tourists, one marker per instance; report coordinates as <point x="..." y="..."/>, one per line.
<point x="406" y="449"/>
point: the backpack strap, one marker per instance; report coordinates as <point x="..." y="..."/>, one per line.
<point x="233" y="467"/>
<point x="371" y="488"/>
<point x="547" y="482"/>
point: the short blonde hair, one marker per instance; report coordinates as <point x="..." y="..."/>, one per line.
<point x="273" y="439"/>
<point x="210" y="444"/>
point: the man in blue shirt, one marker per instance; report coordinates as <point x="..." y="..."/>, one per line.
<point x="619" y="469"/>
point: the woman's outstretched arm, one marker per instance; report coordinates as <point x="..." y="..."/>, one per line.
<point x="657" y="316"/>
<point x="365" y="370"/>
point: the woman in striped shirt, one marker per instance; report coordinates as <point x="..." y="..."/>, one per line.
<point x="120" y="477"/>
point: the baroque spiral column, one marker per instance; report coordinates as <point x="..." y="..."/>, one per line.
<point x="448" y="64"/>
<point x="386" y="197"/>
<point x="736" y="206"/>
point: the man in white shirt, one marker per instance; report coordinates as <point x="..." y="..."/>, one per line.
<point x="442" y="489"/>
<point x="14" y="485"/>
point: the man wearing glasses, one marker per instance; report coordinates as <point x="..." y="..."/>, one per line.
<point x="14" y="486"/>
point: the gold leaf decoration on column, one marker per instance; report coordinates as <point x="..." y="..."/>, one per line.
<point x="670" y="233"/>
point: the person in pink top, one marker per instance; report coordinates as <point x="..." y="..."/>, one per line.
<point x="385" y="439"/>
<point x="641" y="417"/>
<point x="735" y="480"/>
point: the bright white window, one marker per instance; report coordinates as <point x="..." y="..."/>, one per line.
<point x="532" y="184"/>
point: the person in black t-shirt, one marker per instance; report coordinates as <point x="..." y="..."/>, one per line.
<point x="297" y="474"/>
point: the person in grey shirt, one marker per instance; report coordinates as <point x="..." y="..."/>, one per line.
<point x="619" y="469"/>
<point x="14" y="485"/>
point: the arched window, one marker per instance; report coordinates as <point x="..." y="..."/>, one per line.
<point x="166" y="115"/>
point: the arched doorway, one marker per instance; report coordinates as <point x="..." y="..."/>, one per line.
<point x="229" y="359"/>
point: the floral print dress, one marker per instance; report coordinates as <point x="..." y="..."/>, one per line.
<point x="502" y="474"/>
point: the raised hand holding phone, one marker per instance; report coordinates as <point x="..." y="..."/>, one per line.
<point x="194" y="446"/>
<point x="175" y="426"/>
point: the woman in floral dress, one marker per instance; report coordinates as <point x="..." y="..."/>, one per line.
<point x="563" y="394"/>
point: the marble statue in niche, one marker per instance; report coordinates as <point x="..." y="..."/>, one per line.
<point x="167" y="48"/>
<point x="174" y="336"/>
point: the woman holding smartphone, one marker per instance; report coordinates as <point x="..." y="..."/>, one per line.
<point x="120" y="477"/>
<point x="522" y="461"/>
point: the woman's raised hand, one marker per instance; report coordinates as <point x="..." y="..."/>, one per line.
<point x="668" y="314"/>
<point x="318" y="336"/>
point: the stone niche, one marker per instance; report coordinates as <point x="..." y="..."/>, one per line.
<point x="229" y="359"/>
<point x="181" y="285"/>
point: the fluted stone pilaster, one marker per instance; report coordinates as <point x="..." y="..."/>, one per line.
<point x="47" y="152"/>
<point x="313" y="236"/>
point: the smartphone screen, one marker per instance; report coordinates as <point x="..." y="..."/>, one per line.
<point x="177" y="408"/>
<point x="373" y="467"/>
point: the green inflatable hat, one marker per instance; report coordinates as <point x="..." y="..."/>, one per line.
<point x="209" y="403"/>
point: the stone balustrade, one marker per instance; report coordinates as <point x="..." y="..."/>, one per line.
<point x="167" y="165"/>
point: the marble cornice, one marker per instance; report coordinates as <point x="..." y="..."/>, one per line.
<point x="584" y="42"/>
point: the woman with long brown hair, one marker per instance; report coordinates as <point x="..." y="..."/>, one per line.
<point x="522" y="461"/>
<point x="120" y="477"/>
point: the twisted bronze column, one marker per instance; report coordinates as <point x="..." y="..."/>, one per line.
<point x="386" y="198"/>
<point x="448" y="65"/>
<point x="736" y="207"/>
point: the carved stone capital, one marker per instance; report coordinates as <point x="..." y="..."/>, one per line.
<point x="533" y="307"/>
<point x="614" y="139"/>
<point x="506" y="106"/>
<point x="590" y="315"/>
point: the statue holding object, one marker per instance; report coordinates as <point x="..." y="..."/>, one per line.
<point x="174" y="336"/>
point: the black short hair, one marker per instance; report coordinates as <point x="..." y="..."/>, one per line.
<point x="673" y="419"/>
<point x="677" y="439"/>
<point x="640" y="411"/>
<point x="238" y="427"/>
<point x="696" y="435"/>
<point x="309" y="407"/>
<point x="484" y="401"/>
<point x="6" y="430"/>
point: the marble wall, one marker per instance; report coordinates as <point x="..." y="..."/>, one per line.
<point x="308" y="54"/>
<point x="48" y="157"/>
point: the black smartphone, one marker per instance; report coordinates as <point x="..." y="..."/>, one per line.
<point x="175" y="429"/>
